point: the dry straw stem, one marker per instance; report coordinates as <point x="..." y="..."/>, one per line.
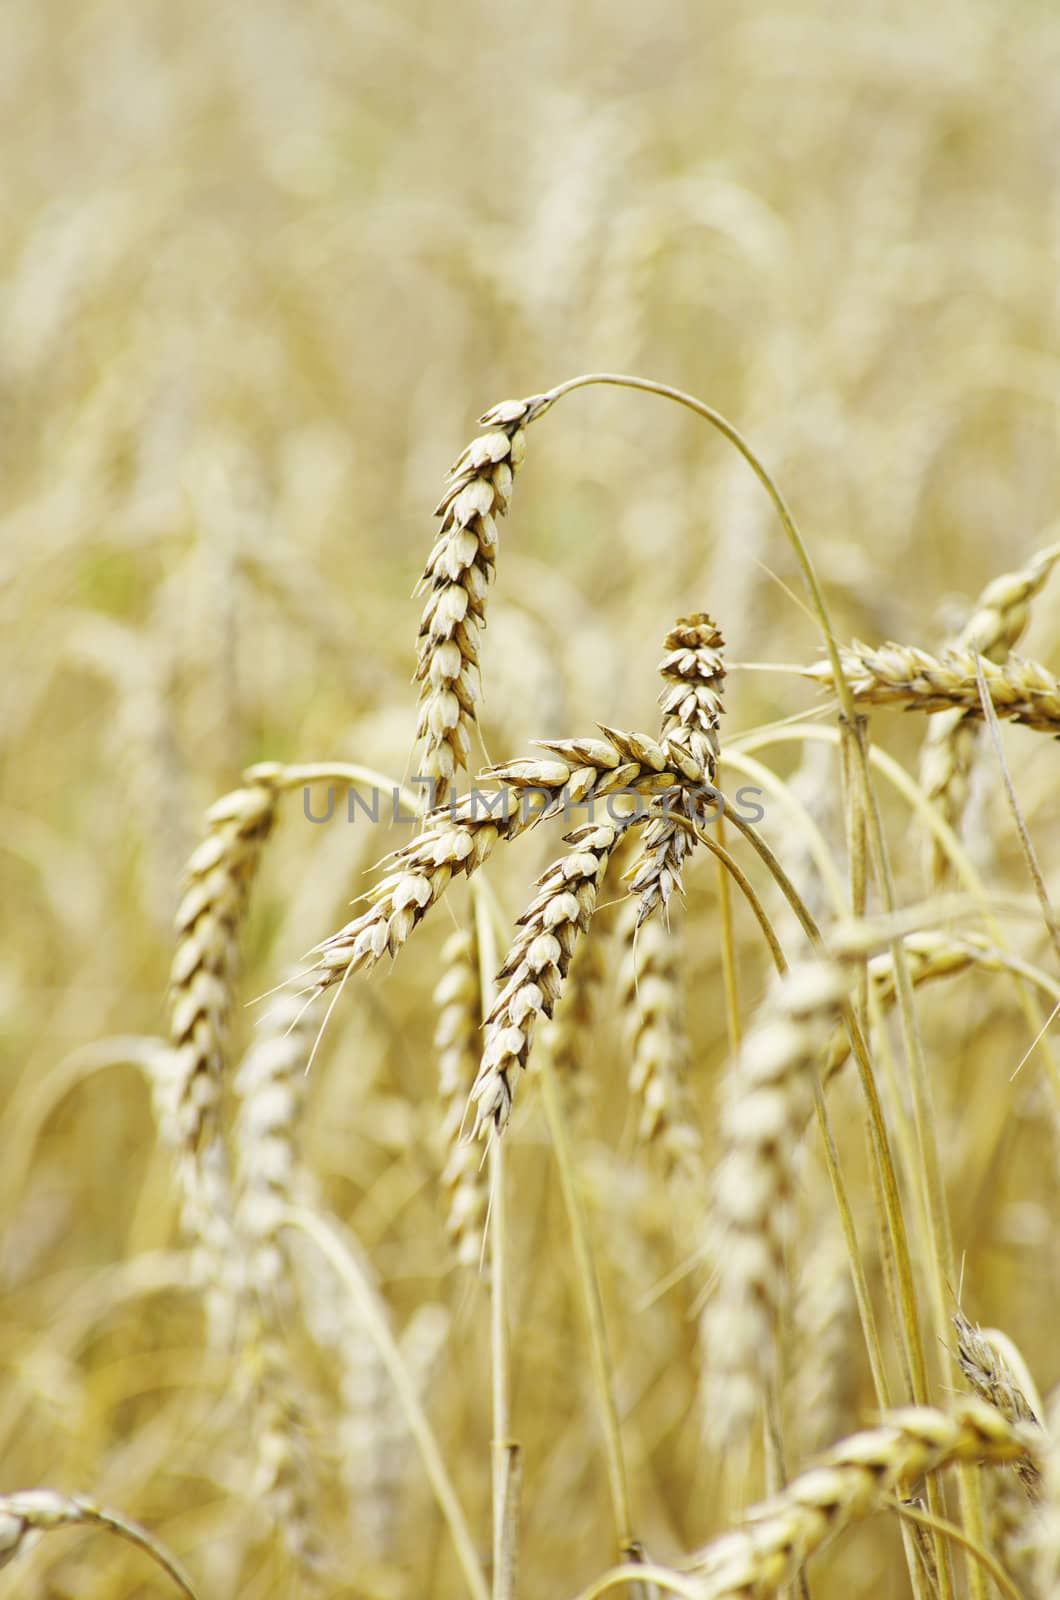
<point x="30" y="1512"/>
<point x="994" y="629"/>
<point x="693" y="673"/>
<point x="653" y="1017"/>
<point x="901" y="675"/>
<point x="457" y="838"/>
<point x="457" y="577"/>
<point x="1048" y="1565"/>
<point x="853" y="1480"/>
<point x="457" y="1039"/>
<point x="767" y="1097"/>
<point x="532" y="976"/>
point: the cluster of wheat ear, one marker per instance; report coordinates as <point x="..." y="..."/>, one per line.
<point x="514" y="1007"/>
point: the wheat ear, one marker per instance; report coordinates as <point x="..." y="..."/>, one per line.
<point x="903" y="676"/>
<point x="853" y="1480"/>
<point x="456" y="579"/>
<point x="457" y="838"/>
<point x="271" y="1085"/>
<point x="767" y="1095"/>
<point x="693" y="673"/>
<point x="653" y="1016"/>
<point x="532" y="975"/>
<point x="202" y="978"/>
<point x="994" y="629"/>
<point x="990" y="1377"/>
<point x="457" y="1039"/>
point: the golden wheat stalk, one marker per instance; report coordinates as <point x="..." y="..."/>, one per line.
<point x="853" y="1480"/>
<point x="903" y="676"/>
<point x="457" y="577"/>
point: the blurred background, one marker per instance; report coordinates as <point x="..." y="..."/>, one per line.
<point x="261" y="268"/>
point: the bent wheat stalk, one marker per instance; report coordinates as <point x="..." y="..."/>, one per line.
<point x="30" y="1512"/>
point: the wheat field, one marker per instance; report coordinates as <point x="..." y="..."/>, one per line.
<point x="530" y="1061"/>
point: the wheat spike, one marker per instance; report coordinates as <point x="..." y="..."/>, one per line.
<point x="532" y="976"/>
<point x="901" y="675"/>
<point x="457" y="838"/>
<point x="456" y="579"/>
<point x="990" y="1377"/>
<point x="766" y="1098"/>
<point x="693" y="673"/>
<point x="851" y="1481"/>
<point x="994" y="629"/>
<point x="653" y="1016"/>
<point x="202" y="979"/>
<point x="457" y="1039"/>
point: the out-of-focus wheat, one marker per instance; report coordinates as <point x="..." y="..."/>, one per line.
<point x="655" y="1027"/>
<point x="766" y="1096"/>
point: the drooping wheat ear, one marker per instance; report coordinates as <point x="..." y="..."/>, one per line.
<point x="202" y="979"/>
<point x="25" y="1515"/>
<point x="994" y="629"/>
<point x="270" y="1083"/>
<point x="990" y="1377"/>
<point x="653" y="1016"/>
<point x="457" y="578"/>
<point x="767" y="1094"/>
<point x="458" y="1040"/>
<point x="532" y="976"/>
<point x="458" y="837"/>
<point x="851" y="1482"/>
<point x="693" y="674"/>
<point x="901" y="675"/>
